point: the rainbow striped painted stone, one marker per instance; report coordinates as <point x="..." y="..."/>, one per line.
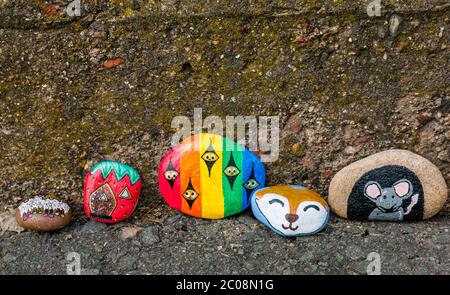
<point x="210" y="176"/>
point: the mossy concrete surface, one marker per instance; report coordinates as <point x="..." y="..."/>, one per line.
<point x="75" y="90"/>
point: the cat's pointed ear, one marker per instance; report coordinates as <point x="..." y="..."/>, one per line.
<point x="403" y="188"/>
<point x="372" y="190"/>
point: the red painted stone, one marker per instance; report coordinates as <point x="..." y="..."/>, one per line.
<point x="111" y="192"/>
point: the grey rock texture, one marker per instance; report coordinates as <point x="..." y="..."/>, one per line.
<point x="149" y="235"/>
<point x="106" y="85"/>
<point x="230" y="246"/>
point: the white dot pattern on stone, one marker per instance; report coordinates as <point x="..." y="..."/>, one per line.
<point x="40" y="202"/>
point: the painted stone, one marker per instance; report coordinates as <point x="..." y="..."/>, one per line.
<point x="393" y="185"/>
<point x="210" y="176"/>
<point x="290" y="210"/>
<point x="43" y="213"/>
<point x="111" y="192"/>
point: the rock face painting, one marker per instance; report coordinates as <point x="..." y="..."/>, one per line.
<point x="210" y="176"/>
<point x="290" y="210"/>
<point x="111" y="192"/>
<point x="43" y="213"/>
<point x="394" y="185"/>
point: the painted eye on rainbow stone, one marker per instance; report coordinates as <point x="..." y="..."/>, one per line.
<point x="231" y="171"/>
<point x="251" y="184"/>
<point x="170" y="174"/>
<point x="210" y="156"/>
<point x="190" y="194"/>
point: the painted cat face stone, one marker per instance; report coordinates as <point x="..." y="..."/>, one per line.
<point x="111" y="192"/>
<point x="210" y="176"/>
<point x="290" y="210"/>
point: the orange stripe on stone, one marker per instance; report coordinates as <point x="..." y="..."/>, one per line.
<point x="190" y="172"/>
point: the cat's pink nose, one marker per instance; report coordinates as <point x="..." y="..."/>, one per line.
<point x="291" y="217"/>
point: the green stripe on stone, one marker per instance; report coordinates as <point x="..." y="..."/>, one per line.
<point x="232" y="193"/>
<point x="121" y="170"/>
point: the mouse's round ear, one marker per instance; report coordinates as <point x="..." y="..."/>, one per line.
<point x="372" y="190"/>
<point x="402" y="187"/>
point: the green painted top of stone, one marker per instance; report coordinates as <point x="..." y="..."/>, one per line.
<point x="121" y="170"/>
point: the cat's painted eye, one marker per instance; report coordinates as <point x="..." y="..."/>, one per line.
<point x="276" y="201"/>
<point x="311" y="207"/>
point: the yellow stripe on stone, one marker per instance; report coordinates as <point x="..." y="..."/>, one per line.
<point x="211" y="179"/>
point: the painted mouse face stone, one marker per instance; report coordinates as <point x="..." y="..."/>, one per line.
<point x="210" y="176"/>
<point x="43" y="213"/>
<point x="111" y="192"/>
<point x="290" y="210"/>
<point x="393" y="185"/>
